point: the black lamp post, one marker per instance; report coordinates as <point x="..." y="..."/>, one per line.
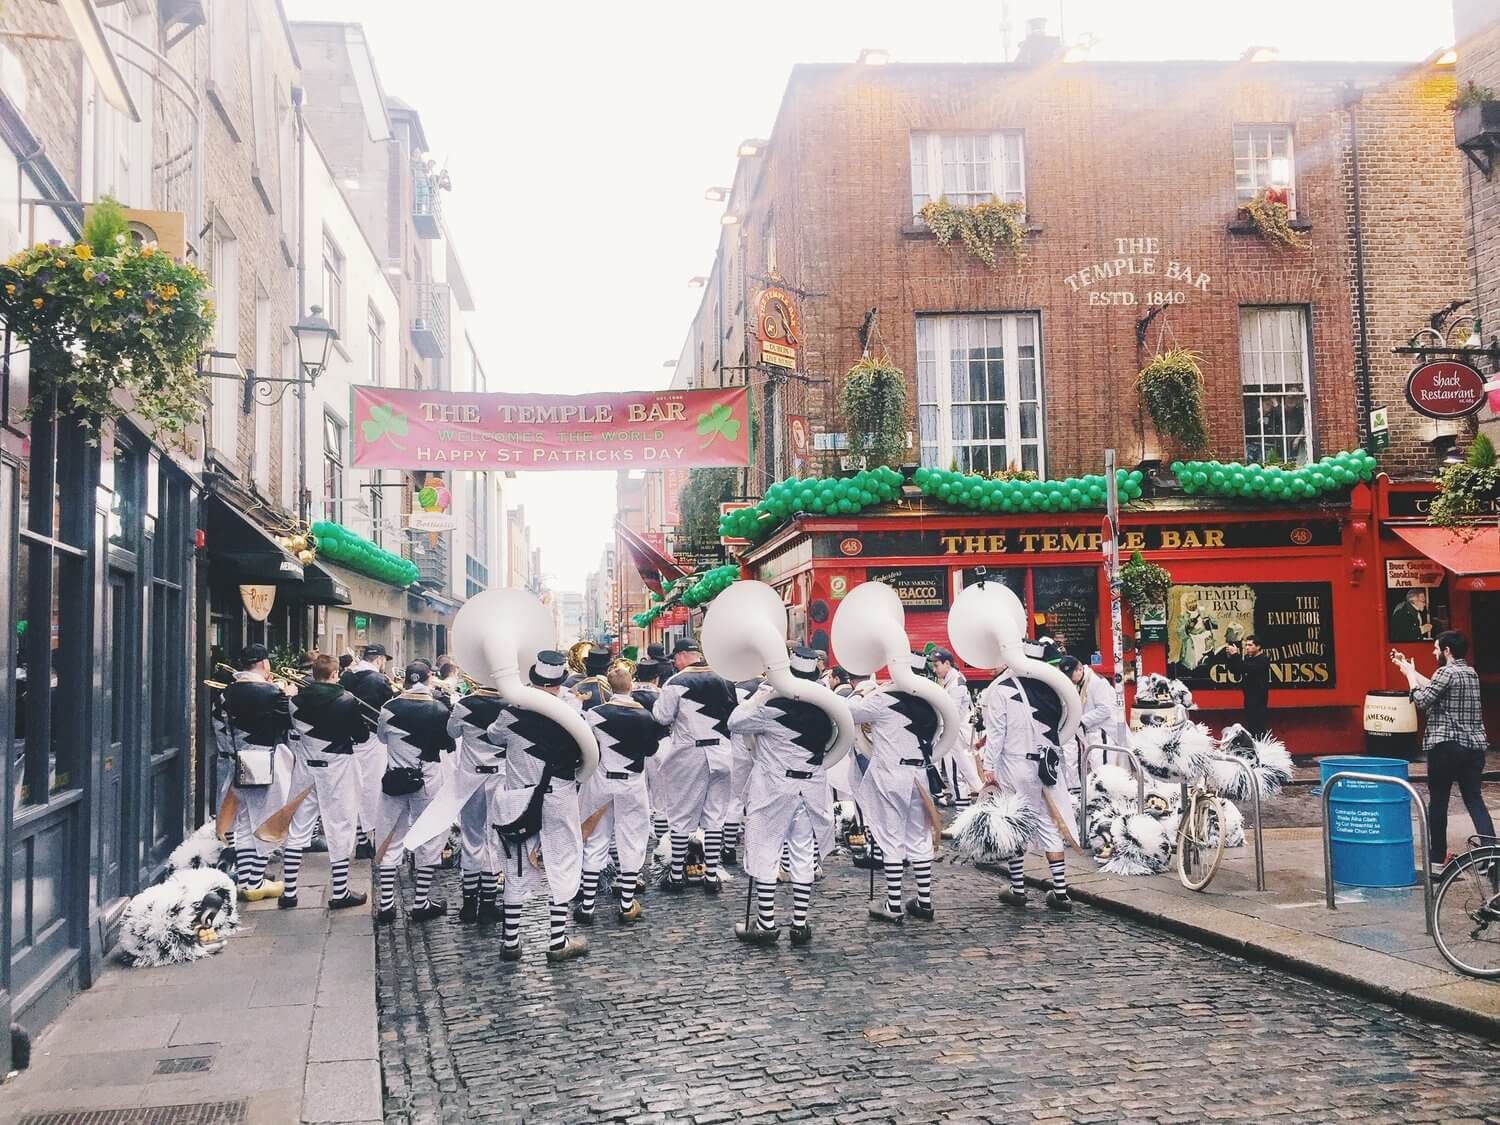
<point x="314" y="336"/>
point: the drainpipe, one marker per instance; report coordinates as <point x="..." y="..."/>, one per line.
<point x="304" y="504"/>
<point x="1362" y="361"/>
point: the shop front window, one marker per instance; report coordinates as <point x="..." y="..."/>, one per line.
<point x="333" y="467"/>
<point x="979" y="393"/>
<point x="1274" y="383"/>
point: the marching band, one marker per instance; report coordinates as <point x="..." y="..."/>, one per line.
<point x="564" y="782"/>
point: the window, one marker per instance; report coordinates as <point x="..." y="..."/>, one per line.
<point x="376" y="328"/>
<point x="979" y="392"/>
<point x="770" y="242"/>
<point x="966" y="168"/>
<point x="1263" y="159"/>
<point x="333" y="467"/>
<point x="476" y="566"/>
<point x="228" y="395"/>
<point x="1273" y="375"/>
<point x="333" y="284"/>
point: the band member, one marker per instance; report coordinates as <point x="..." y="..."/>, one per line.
<point x="256" y="718"/>
<point x="741" y="763"/>
<point x="893" y="794"/>
<point x="788" y="801"/>
<point x="413" y="727"/>
<point x="593" y="688"/>
<point x="960" y="773"/>
<point x="648" y="676"/>
<point x="1021" y="720"/>
<point x="330" y="723"/>
<point x="366" y="681"/>
<point x="1101" y="721"/>
<point x="536" y="810"/>
<point x="697" y="703"/>
<point x="480" y="762"/>
<point x="616" y="795"/>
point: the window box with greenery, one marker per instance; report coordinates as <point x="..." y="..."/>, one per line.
<point x="112" y="326"/>
<point x="1269" y="216"/>
<point x="1476" y="124"/>
<point x="1171" y="389"/>
<point x="986" y="228"/>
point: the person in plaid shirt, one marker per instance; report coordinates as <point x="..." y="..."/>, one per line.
<point x="1454" y="738"/>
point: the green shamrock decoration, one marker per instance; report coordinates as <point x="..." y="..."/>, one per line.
<point x="719" y="421"/>
<point x="384" y="422"/>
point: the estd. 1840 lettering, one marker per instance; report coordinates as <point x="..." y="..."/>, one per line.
<point x="1098" y="299"/>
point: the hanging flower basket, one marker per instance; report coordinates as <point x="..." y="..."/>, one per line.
<point x="1270" y="214"/>
<point x="107" y="320"/>
<point x="1171" y="387"/>
<point x="1463" y="489"/>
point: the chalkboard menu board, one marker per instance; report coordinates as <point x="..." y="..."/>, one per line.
<point x="1067" y="600"/>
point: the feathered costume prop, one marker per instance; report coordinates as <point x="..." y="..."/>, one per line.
<point x="202" y="849"/>
<point x="993" y="829"/>
<point x="1176" y="753"/>
<point x="1140" y="844"/>
<point x="179" y="920"/>
<point x="1267" y="758"/>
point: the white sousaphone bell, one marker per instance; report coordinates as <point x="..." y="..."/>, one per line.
<point x="744" y="636"/>
<point x="869" y="630"/>
<point x="987" y="628"/>
<point x="496" y="635"/>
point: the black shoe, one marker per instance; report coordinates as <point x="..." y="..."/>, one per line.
<point x="348" y="899"/>
<point x="385" y="917"/>
<point x="802" y="934"/>
<point x="433" y="909"/>
<point x="729" y="855"/>
<point x="489" y="912"/>
<point x="867" y="862"/>
<point x="583" y="917"/>
<point x="713" y="886"/>
<point x="365" y="849"/>
<point x="917" y="910"/>
<point x="673" y="886"/>
<point x="510" y="952"/>
<point x="1057" y="901"/>
<point x="469" y="911"/>
<point x="885" y="915"/>
<point x="286" y="902"/>
<point x="1014" y="898"/>
<point x="756" y="934"/>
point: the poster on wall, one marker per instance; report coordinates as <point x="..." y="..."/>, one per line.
<point x="1292" y="622"/>
<point x="918" y="587"/>
<point x="1416" y="600"/>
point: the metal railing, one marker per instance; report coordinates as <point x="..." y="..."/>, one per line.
<point x="1376" y="778"/>
<point x="1083" y="780"/>
<point x="426" y="203"/>
<point x="1254" y="784"/>
<point x="429" y="320"/>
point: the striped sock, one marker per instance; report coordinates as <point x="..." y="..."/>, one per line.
<point x="557" y="925"/>
<point x="658" y="826"/>
<point x="1017" y="865"/>
<point x="786" y="859"/>
<point x="291" y="867"/>
<point x="801" y="900"/>
<point x="243" y="867"/>
<point x="510" y="925"/>
<point x="489" y="886"/>
<point x="894" y="870"/>
<point x="229" y="839"/>
<point x="424" y="886"/>
<point x="1059" y="878"/>
<point x="614" y="854"/>
<point x="470" y="881"/>
<point x="713" y="846"/>
<point x="590" y="890"/>
<point x="626" y="882"/>
<point x="339" y="870"/>
<point x="732" y="835"/>
<point x="765" y="905"/>
<point x="387" y="886"/>
<point x="679" y="856"/>
<point x="922" y="869"/>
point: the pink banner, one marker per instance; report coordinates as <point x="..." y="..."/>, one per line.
<point x="410" y="429"/>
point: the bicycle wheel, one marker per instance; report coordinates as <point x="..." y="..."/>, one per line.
<point x="1200" y="842"/>
<point x="1466" y="913"/>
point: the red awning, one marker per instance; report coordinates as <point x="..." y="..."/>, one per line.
<point x="1470" y="553"/>
<point x="653" y="566"/>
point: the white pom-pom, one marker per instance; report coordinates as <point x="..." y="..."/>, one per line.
<point x="162" y="924"/>
<point x="1114" y="782"/>
<point x="202" y="849"/>
<point x="995" y="828"/>
<point x="1142" y="845"/>
<point x="1174" y="753"/>
<point x="1234" y="826"/>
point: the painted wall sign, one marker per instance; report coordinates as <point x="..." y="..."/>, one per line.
<point x="1420" y="503"/>
<point x="918" y="587"/>
<point x="1445" y="389"/>
<point x="1137" y="274"/>
<point x="1404" y="574"/>
<point x="415" y="429"/>
<point x="777" y="329"/>
<point x="258" y="601"/>
<point x="1292" y="621"/>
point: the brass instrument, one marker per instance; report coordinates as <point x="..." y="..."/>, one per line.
<point x="577" y="651"/>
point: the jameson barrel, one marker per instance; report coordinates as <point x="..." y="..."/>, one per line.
<point x="1369" y="824"/>
<point x="1390" y="725"/>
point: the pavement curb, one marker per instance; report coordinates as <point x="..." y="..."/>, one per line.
<point x="1452" y="1015"/>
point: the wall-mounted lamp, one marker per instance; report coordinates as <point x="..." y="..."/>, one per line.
<point x="716" y="194"/>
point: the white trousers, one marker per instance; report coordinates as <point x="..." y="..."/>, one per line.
<point x="1018" y="774"/>
<point x="550" y="861"/>
<point x="479" y="846"/>
<point x="253" y="806"/>
<point x="369" y="768"/>
<point x="626" y="821"/>
<point x="782" y="810"/>
<point x="395" y="816"/>
<point x="892" y="800"/>
<point x="695" y="781"/>
<point x="969" y="782"/>
<point x="334" y="797"/>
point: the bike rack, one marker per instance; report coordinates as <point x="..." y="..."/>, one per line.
<point x="1354" y="775"/>
<point x="1254" y="783"/>
<point x="1083" y="779"/>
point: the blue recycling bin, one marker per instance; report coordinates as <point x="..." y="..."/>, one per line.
<point x="1369" y="824"/>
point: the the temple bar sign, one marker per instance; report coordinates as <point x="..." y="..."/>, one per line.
<point x="1137" y="273"/>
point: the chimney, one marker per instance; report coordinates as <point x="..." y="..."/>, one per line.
<point x="1038" y="47"/>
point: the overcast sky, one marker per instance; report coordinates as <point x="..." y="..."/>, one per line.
<point x="580" y="138"/>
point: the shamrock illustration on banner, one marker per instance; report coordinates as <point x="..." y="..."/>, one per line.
<point x="719" y="421"/>
<point x="384" y="422"/>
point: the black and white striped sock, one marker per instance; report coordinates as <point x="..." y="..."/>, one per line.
<point x="489" y="886"/>
<point x="1017" y="864"/>
<point x="627" y="882"/>
<point x="387" y="876"/>
<point x="1059" y="878"/>
<point x="679" y="856"/>
<point x="732" y="834"/>
<point x="786" y="859"/>
<point x="713" y="847"/>
<point x="339" y="873"/>
<point x="229" y="839"/>
<point x="614" y="854"/>
<point x="893" y="873"/>
<point x="424" y="886"/>
<point x="291" y="867"/>
<point x="590" y="890"/>
<point x="244" y="867"/>
<point x="765" y="905"/>
<point x="658" y="825"/>
<point x="557" y="925"/>
<point x="510" y="925"/>
<point x="801" y="900"/>
<point x="922" y="869"/>
<point x="470" y="881"/>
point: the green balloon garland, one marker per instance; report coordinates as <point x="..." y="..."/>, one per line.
<point x="1274" y="484"/>
<point x="338" y="543"/>
<point x="693" y="591"/>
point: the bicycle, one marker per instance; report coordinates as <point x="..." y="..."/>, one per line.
<point x="1466" y="910"/>
<point x="1200" y="835"/>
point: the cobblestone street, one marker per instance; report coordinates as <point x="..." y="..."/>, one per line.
<point x="982" y="1015"/>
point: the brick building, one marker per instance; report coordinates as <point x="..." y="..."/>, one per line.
<point x="1476" y="26"/>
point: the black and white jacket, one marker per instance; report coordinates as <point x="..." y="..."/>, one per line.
<point x="328" y="719"/>
<point x="697" y="703"/>
<point x="255" y="712"/>
<point x="627" y="735"/>
<point x="414" y="728"/>
<point x="469" y="725"/>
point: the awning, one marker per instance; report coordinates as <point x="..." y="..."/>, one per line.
<point x="657" y="571"/>
<point x="241" y="549"/>
<point x="1471" y="553"/>
<point x="320" y="588"/>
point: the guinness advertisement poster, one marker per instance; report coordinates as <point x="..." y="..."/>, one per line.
<point x="1292" y="621"/>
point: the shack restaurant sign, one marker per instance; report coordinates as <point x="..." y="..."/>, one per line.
<point x="1445" y="389"/>
<point x="415" y="429"/>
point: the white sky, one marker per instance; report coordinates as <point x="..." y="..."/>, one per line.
<point x="580" y="137"/>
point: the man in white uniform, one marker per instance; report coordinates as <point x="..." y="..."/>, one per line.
<point x="960" y="773"/>
<point x="365" y="680"/>
<point x="479" y="765"/>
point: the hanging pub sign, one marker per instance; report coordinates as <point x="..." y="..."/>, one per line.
<point x="258" y="601"/>
<point x="1290" y="620"/>
<point x="432" y="506"/>
<point x="1445" y="389"/>
<point x="777" y="329"/>
<point x="918" y="587"/>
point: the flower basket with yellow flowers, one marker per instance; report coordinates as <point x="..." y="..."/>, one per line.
<point x="111" y="325"/>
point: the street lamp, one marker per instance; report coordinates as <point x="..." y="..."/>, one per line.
<point x="314" y="335"/>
